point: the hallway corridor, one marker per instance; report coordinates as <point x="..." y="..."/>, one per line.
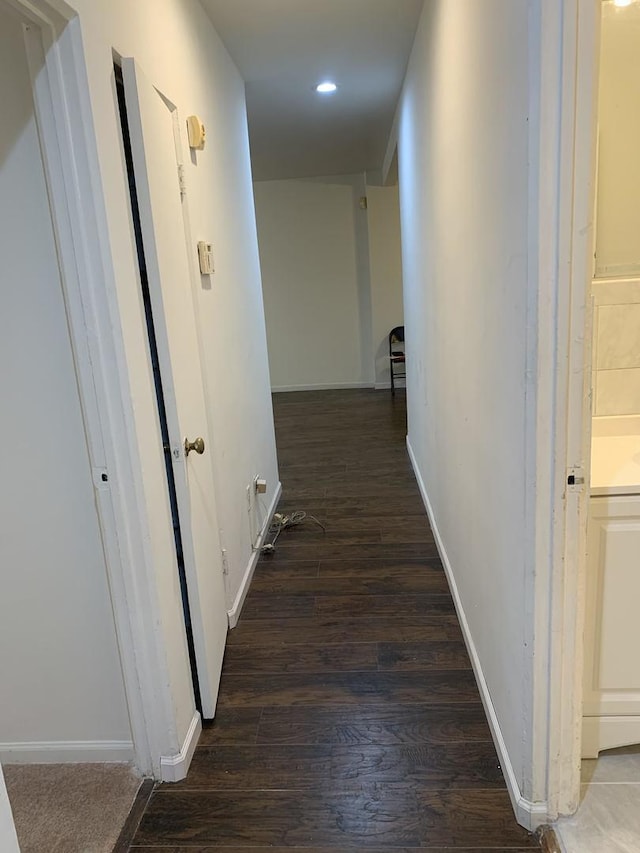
<point x="349" y="717"/>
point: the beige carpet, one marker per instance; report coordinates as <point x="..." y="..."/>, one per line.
<point x="70" y="808"/>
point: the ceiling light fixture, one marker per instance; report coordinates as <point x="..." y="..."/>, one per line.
<point x="326" y="88"/>
<point x="622" y="2"/>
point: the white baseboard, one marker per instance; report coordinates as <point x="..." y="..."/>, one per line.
<point x="528" y="814"/>
<point x="331" y="386"/>
<point x="234" y="613"/>
<point x="68" y="752"/>
<point x="608" y="732"/>
<point x="557" y="828"/>
<point x="173" y="768"/>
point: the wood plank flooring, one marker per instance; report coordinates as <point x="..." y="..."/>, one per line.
<point x="349" y="718"/>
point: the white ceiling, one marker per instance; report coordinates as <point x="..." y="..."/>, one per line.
<point x="284" y="47"/>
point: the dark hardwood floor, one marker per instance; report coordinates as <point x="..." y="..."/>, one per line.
<point x="349" y="718"/>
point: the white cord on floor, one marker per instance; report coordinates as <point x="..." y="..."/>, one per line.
<point x="281" y="522"/>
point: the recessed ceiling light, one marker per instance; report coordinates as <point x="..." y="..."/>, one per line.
<point x="326" y="88"/>
<point x="621" y="2"/>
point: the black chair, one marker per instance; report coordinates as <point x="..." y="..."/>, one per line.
<point x="396" y="356"/>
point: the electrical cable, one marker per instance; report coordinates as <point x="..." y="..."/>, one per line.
<point x="282" y="522"/>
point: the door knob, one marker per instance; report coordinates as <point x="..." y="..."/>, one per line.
<point x="197" y="445"/>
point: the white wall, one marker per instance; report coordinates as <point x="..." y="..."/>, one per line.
<point x="386" y="273"/>
<point x="182" y="55"/>
<point x="618" y="200"/>
<point x="61" y="674"/>
<point x="463" y="160"/>
<point x="8" y="838"/>
<point x="616" y="322"/>
<point x="616" y="347"/>
<point x="331" y="275"/>
<point x="310" y="284"/>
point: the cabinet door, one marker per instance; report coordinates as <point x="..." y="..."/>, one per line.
<point x="612" y="631"/>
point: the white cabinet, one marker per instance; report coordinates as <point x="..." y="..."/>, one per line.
<point x="611" y="712"/>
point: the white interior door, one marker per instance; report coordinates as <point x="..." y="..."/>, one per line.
<point x="156" y="148"/>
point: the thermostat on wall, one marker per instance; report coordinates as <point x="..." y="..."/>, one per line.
<point x="195" y="132"/>
<point x="205" y="257"/>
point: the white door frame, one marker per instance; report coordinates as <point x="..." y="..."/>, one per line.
<point x="62" y="101"/>
<point x="8" y="837"/>
<point x="569" y="56"/>
<point x="573" y="426"/>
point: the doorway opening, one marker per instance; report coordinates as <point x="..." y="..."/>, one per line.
<point x="610" y="778"/>
<point x="612" y="680"/>
<point x="157" y="380"/>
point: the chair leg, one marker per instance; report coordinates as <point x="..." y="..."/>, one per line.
<point x="393" y="387"/>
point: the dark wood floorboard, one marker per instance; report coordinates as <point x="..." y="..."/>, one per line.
<point x="301" y="550"/>
<point x="276" y="631"/>
<point x="385" y="605"/>
<point x="356" y="688"/>
<point x="348" y="718"/>
<point x="305" y="657"/>
<point x="325" y="768"/>
<point x="376" y="725"/>
<point x="405" y="582"/>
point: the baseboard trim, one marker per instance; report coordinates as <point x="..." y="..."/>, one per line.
<point x="608" y="732"/>
<point x="386" y="386"/>
<point x="234" y="614"/>
<point x="68" y="752"/>
<point x="330" y="386"/>
<point x="528" y="814"/>
<point x="173" y="768"/>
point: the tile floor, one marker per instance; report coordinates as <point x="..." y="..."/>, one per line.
<point x="608" y="820"/>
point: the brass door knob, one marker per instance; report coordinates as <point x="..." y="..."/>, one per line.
<point x="197" y="445"/>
